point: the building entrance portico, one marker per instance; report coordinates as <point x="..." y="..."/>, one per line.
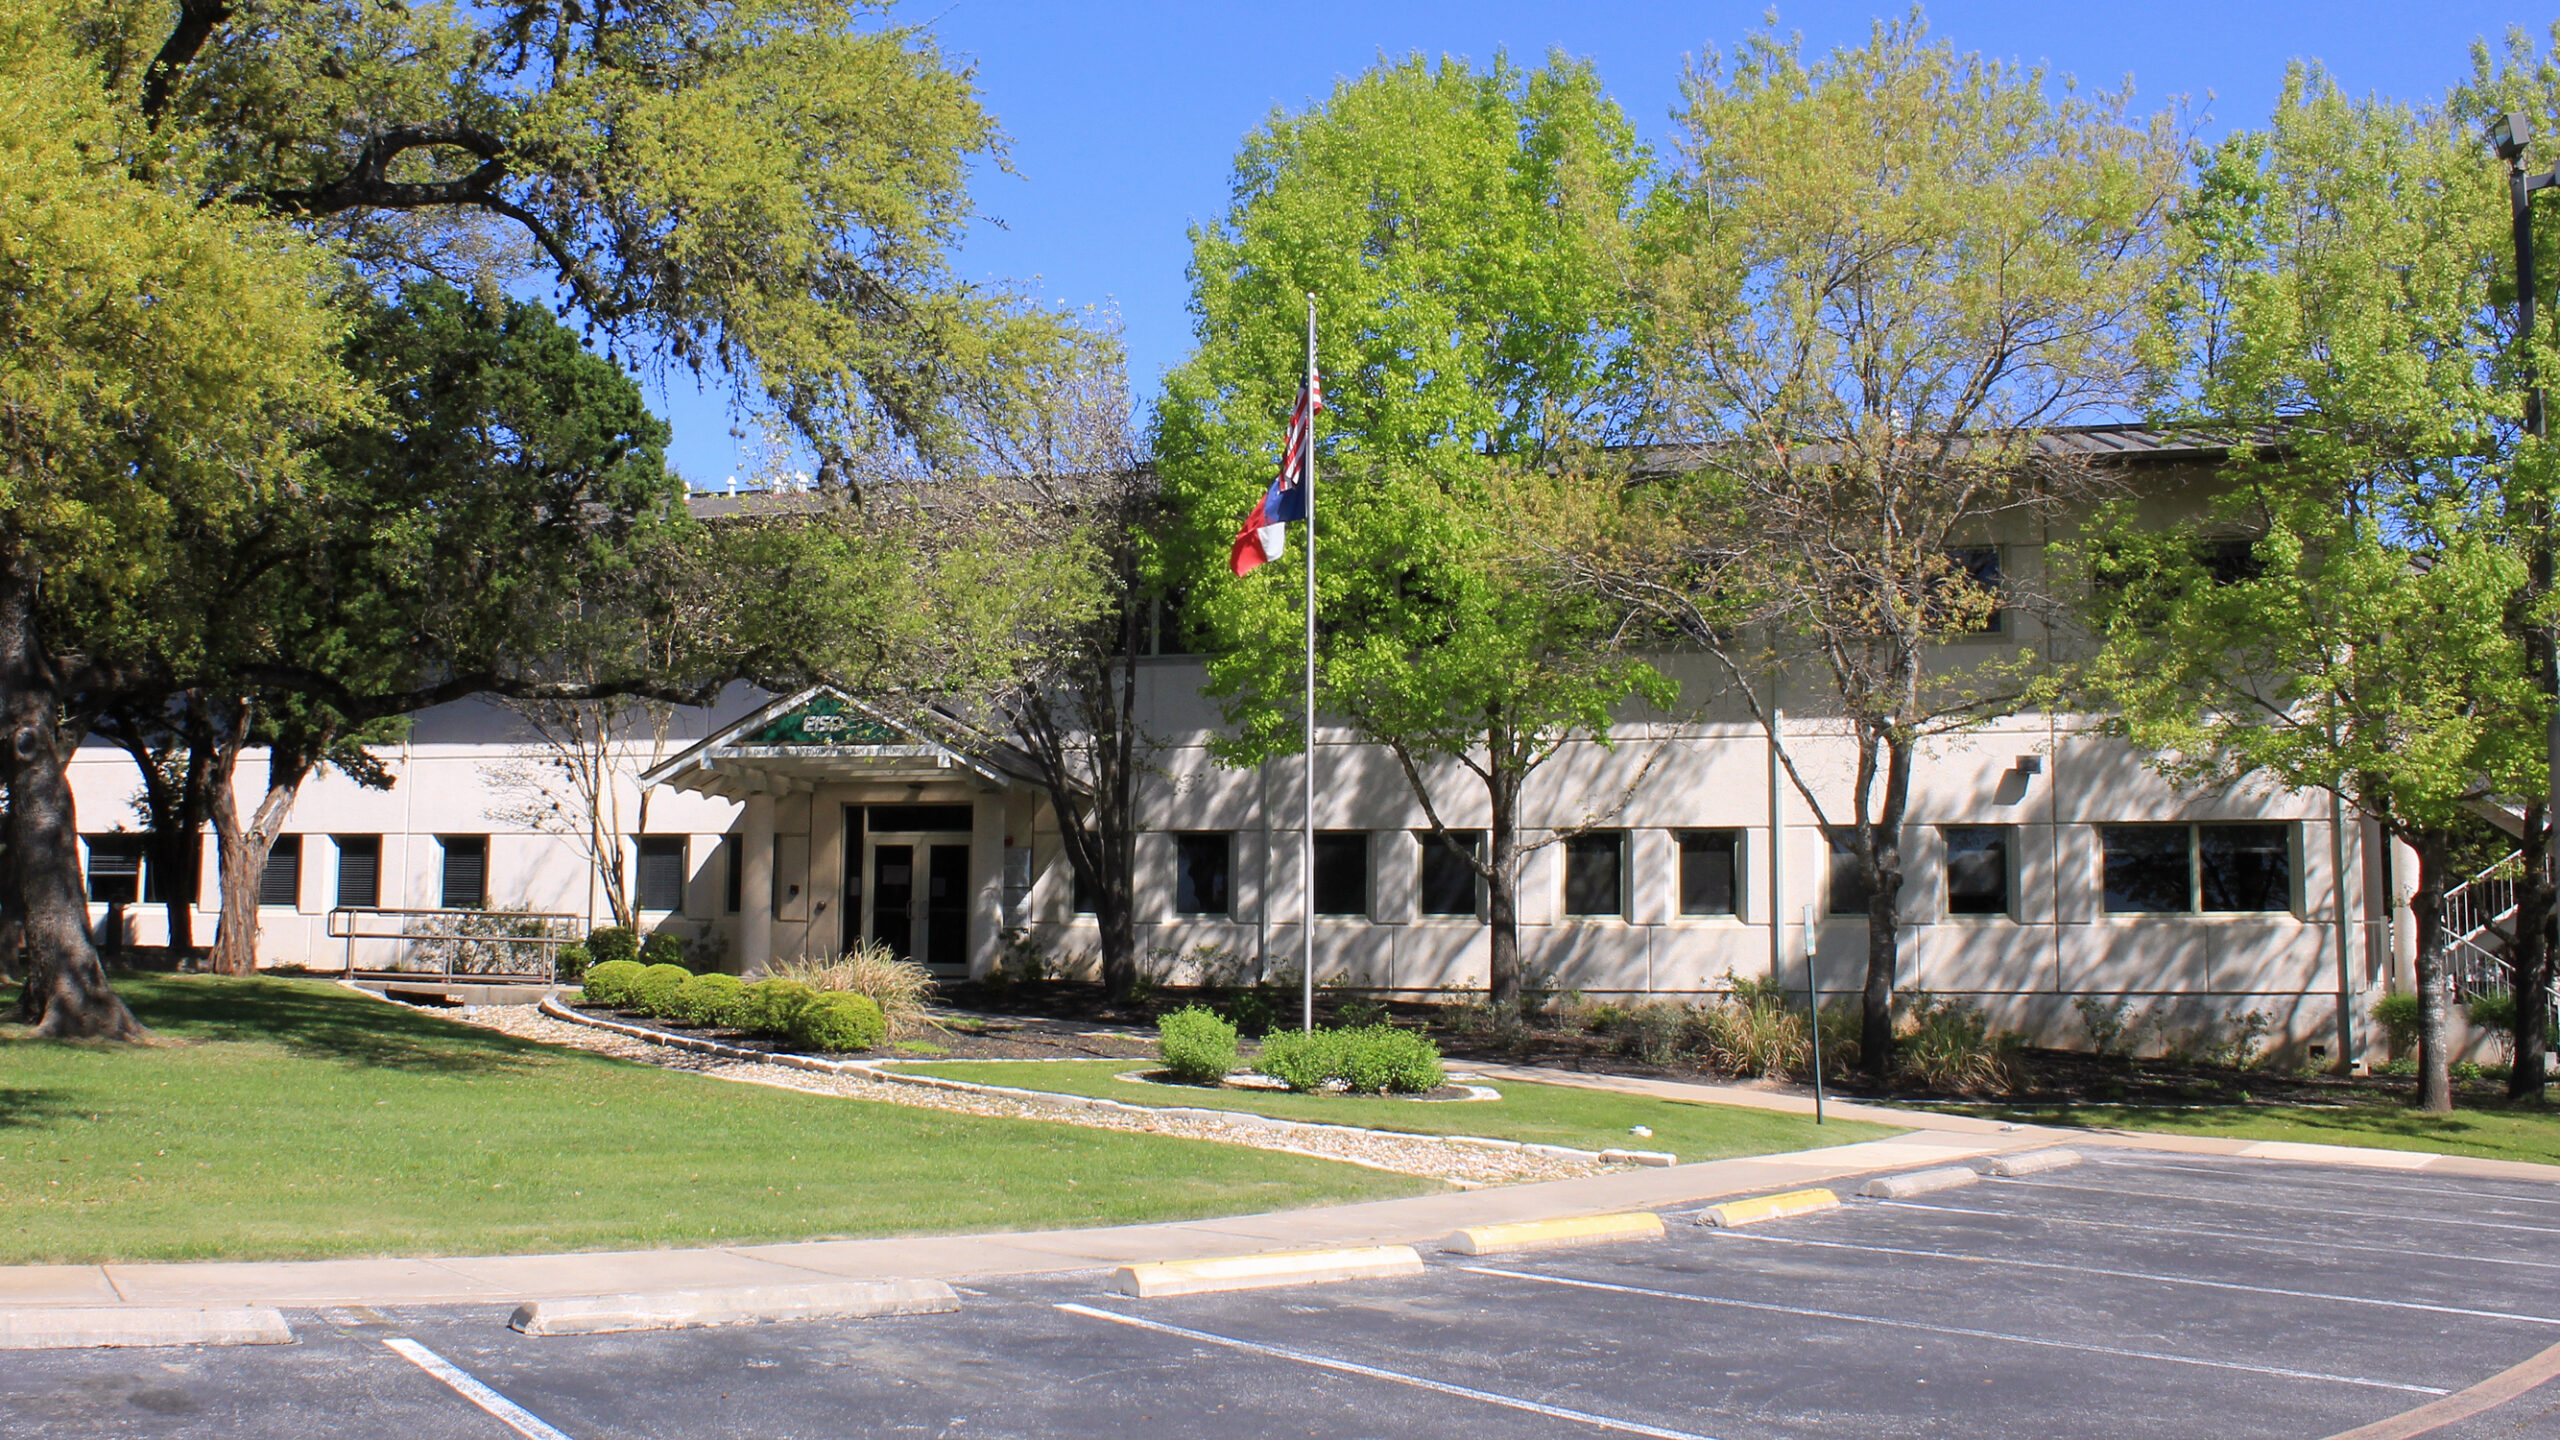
<point x="854" y="828"/>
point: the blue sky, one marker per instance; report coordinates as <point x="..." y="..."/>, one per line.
<point x="1125" y="118"/>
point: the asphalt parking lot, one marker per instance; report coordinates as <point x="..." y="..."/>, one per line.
<point x="2134" y="1295"/>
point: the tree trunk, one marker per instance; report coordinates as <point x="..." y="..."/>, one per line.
<point x="66" y="993"/>
<point x="2531" y="983"/>
<point x="2426" y="913"/>
<point x="245" y="848"/>
<point x="1502" y="879"/>
<point x="1880" y="856"/>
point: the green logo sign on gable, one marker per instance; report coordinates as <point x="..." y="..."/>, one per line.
<point x="825" y="720"/>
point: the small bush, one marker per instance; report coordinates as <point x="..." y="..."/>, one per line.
<point x="2468" y="1072"/>
<point x="2495" y="1012"/>
<point x="766" y="1007"/>
<point x="609" y="943"/>
<point x="1755" y="1033"/>
<point x="608" y="983"/>
<point x="1196" y="1046"/>
<point x="839" y="1020"/>
<point x="568" y="963"/>
<point x="1365" y="1061"/>
<point x="2112" y="1029"/>
<point x="665" y="948"/>
<point x="1256" y="1011"/>
<point x="2397" y="1014"/>
<point x="1948" y="1046"/>
<point x="709" y="1000"/>
<point x="1652" y="1032"/>
<point x="654" y="993"/>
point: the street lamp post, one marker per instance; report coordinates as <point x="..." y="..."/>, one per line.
<point x="2510" y="135"/>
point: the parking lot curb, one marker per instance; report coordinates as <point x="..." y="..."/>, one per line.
<point x="83" y="1327"/>
<point x="1271" y="1268"/>
<point x="2029" y="1162"/>
<point x="1767" y="1207"/>
<point x="1918" y="1182"/>
<point x="1554" y="1234"/>
<point x="733" y="1305"/>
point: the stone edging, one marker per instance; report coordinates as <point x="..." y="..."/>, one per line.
<point x="1231" y="1119"/>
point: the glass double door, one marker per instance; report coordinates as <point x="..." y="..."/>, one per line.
<point x="919" y="901"/>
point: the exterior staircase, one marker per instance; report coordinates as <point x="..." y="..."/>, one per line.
<point x="2480" y="933"/>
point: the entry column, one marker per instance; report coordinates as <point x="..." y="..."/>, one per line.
<point x="755" y="885"/>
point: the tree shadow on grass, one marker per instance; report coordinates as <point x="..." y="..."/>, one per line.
<point x="317" y="1021"/>
<point x="22" y="1107"/>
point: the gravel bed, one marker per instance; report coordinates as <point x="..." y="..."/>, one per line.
<point x="1466" y="1165"/>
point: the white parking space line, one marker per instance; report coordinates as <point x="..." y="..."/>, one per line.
<point x="1766" y="1239"/>
<point x="2294" y="1207"/>
<point x="1372" y="1372"/>
<point x="2359" y="1246"/>
<point x="524" y="1422"/>
<point x="2334" y="1180"/>
<point x="2037" y="1340"/>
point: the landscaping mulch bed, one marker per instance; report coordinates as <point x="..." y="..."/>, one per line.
<point x="960" y="1037"/>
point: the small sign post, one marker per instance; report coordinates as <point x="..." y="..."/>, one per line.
<point x="1813" y="993"/>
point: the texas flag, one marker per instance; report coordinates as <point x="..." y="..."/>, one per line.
<point x="1266" y="531"/>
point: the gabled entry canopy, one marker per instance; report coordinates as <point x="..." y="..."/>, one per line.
<point x="823" y="736"/>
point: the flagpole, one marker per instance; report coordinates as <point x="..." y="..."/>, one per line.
<point x="1307" y="836"/>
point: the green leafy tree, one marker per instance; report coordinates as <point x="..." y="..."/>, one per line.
<point x="1874" y="284"/>
<point x="2340" y="617"/>
<point x="1463" y="233"/>
<point x="163" y="364"/>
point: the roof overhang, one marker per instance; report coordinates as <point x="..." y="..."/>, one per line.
<point x="822" y="736"/>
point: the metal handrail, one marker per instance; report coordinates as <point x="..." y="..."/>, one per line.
<point x="350" y="933"/>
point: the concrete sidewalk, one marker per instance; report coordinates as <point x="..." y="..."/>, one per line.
<point x="505" y="1279"/>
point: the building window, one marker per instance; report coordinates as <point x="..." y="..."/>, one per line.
<point x="1201" y="868"/>
<point x="2245" y="867"/>
<point x="1088" y="897"/>
<point x="1977" y="870"/>
<point x="280" y="883"/>
<point x="466" y="872"/>
<point x="1342" y="872"/>
<point x="1449" y="880"/>
<point x="1848" y="882"/>
<point x="115" y="869"/>
<point x="733" y="881"/>
<point x="2148" y="869"/>
<point x="1595" y="873"/>
<point x="1710" y="871"/>
<point x="159" y="887"/>
<point x="1977" y="567"/>
<point x="662" y="873"/>
<point x="359" y="872"/>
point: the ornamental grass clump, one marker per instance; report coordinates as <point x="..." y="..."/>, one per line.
<point x="1948" y="1045"/>
<point x="902" y="989"/>
<point x="839" y="1020"/>
<point x="654" y="993"/>
<point x="1197" y="1047"/>
<point x="609" y="984"/>
<point x="709" y="1000"/>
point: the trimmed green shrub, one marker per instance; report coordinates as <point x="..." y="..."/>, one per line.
<point x="568" y="962"/>
<point x="839" y="1020"/>
<point x="654" y="993"/>
<point x="2491" y="1010"/>
<point x="609" y="943"/>
<point x="767" y="1006"/>
<point x="2397" y="1014"/>
<point x="665" y="948"/>
<point x="609" y="984"/>
<point x="1364" y="1060"/>
<point x="709" y="1000"/>
<point x="1197" y="1047"/>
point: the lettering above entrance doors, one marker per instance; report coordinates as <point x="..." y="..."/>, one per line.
<point x="826" y="720"/>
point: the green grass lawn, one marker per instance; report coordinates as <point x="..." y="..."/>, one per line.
<point x="284" y="1119"/>
<point x="2490" y="1130"/>
<point x="1543" y="1114"/>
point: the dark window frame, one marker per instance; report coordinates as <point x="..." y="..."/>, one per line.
<point x="349" y="846"/>
<point x="1705" y="844"/>
<point x="1966" y="902"/>
<point x="1844" y="891"/>
<point x="1331" y="872"/>
<point x="733" y="878"/>
<point x="1435" y="857"/>
<point x="1981" y="567"/>
<point x="1192" y="847"/>
<point x="126" y="854"/>
<point x="290" y="887"/>
<point x="446" y="853"/>
<point x="2200" y="890"/>
<point x="1593" y="859"/>
<point x="643" y="881"/>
